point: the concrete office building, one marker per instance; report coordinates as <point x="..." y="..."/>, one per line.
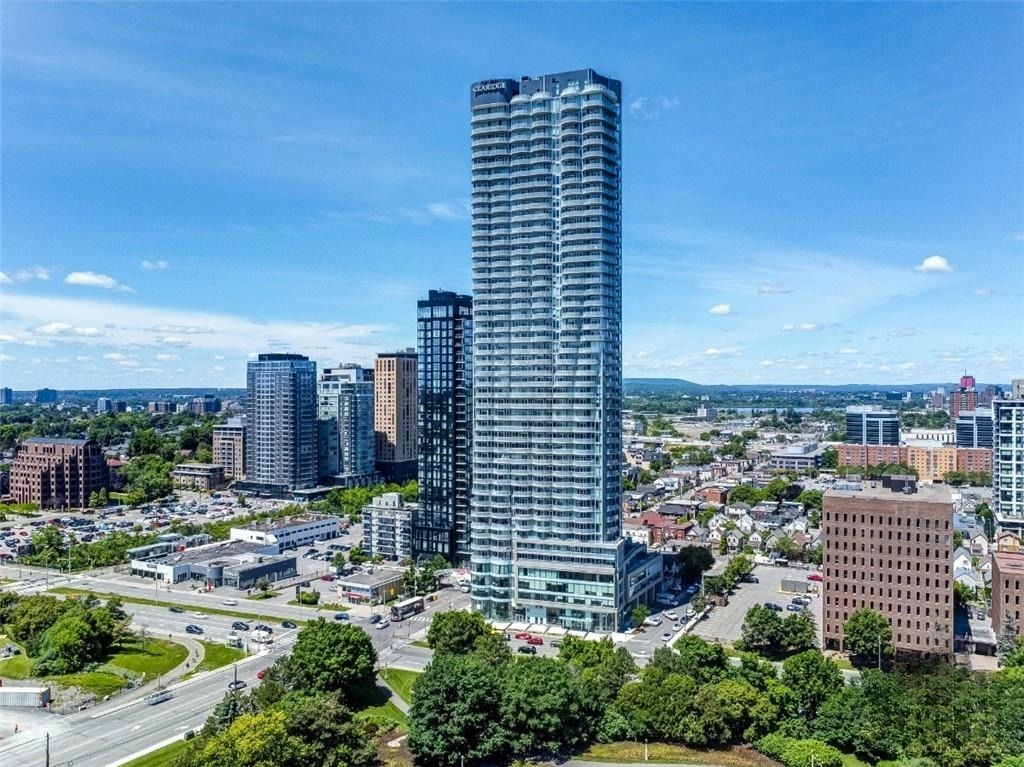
<point x="46" y="396"/>
<point x="395" y="414"/>
<point x="229" y="447"/>
<point x="58" y="473"/>
<point x="799" y="457"/>
<point x="6" y="396"/>
<point x="1007" y="590"/>
<point x="160" y="406"/>
<point x="290" y="532"/>
<point x="871" y="425"/>
<point x="237" y="564"/>
<point x="387" y="527"/>
<point x="345" y="417"/>
<point x="1008" y="462"/>
<point x="974" y="428"/>
<point x="445" y="371"/>
<point x="208" y="403"/>
<point x="281" y="429"/>
<point x="104" y="405"/>
<point x="888" y="547"/>
<point x="545" y="517"/>
<point x="198" y="476"/>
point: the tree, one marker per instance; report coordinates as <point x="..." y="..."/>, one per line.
<point x="640" y="614"/>
<point x="702" y="660"/>
<point x="813" y="678"/>
<point x="99" y="498"/>
<point x="338" y="560"/>
<point x="1014" y="658"/>
<point x="725" y="711"/>
<point x="330" y="736"/>
<point x="788" y="548"/>
<point x="745" y="494"/>
<point x="693" y="561"/>
<point x="867" y="636"/>
<point x="811" y="499"/>
<point x="799" y="632"/>
<point x="1007" y="641"/>
<point x="357" y="555"/>
<point x="962" y="593"/>
<point x="493" y="648"/>
<point x="33" y="615"/>
<point x="67" y="646"/>
<point x="48" y="542"/>
<point x="330" y="657"/>
<point x="762" y="630"/>
<point x="456" y="631"/>
<point x="542" y="708"/>
<point x="988" y="519"/>
<point x="254" y="740"/>
<point x="456" y="717"/>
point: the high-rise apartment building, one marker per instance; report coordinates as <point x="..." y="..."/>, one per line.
<point x="974" y="428"/>
<point x="208" y="403"/>
<point x="888" y="547"/>
<point x="445" y="369"/>
<point x="545" y="515"/>
<point x="160" y="406"/>
<point x="229" y="447"/>
<point x="46" y="396"/>
<point x="1008" y="462"/>
<point x="58" y="473"/>
<point x="871" y="425"/>
<point x="281" y="430"/>
<point x="104" y="405"/>
<point x="6" y="396"/>
<point x="345" y="414"/>
<point x="964" y="397"/>
<point x="395" y="414"/>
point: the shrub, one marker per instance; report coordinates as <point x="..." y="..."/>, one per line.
<point x="309" y="597"/>
<point x="796" y="752"/>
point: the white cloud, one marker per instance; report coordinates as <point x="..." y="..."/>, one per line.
<point x="767" y="363"/>
<point x="803" y="326"/>
<point x="650" y="108"/>
<point x="772" y="290"/>
<point x="934" y="264"/>
<point x="445" y="210"/>
<point x="7" y="338"/>
<point x="95" y="280"/>
<point x="65" y="329"/>
<point x="907" y="365"/>
<point x="167" y="357"/>
<point x="984" y="292"/>
<point x="848" y="350"/>
<point x="7" y="358"/>
<point x="83" y="358"/>
<point x="1019" y="236"/>
<point x="154" y="265"/>
<point x="5" y="280"/>
<point x="116" y="356"/>
<point x="34" y="273"/>
<point x="902" y="332"/>
<point x="712" y="352"/>
<point x="218" y="356"/>
<point x="720" y="309"/>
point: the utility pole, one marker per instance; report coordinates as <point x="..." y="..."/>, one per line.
<point x="47" y="749"/>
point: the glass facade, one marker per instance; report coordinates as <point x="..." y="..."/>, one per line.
<point x="547" y="379"/>
<point x="445" y="382"/>
<point x="345" y="413"/>
<point x="1008" y="462"/>
<point x="281" y="439"/>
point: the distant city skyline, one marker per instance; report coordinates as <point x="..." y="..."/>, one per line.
<point x="810" y="195"/>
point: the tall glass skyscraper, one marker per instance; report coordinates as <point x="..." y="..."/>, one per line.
<point x="445" y="378"/>
<point x="547" y="354"/>
<point x="281" y="438"/>
<point x="345" y="413"/>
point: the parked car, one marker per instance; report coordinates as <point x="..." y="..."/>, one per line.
<point x="193" y="629"/>
<point x="800" y="600"/>
<point x="263" y="627"/>
<point x="523" y="635"/>
<point x="815" y="576"/>
<point x="527" y="649"/>
<point x="795" y="608"/>
<point x="176" y="609"/>
<point x="666" y="636"/>
<point x="556" y="642"/>
<point x="240" y="626"/>
<point x="773" y="606"/>
<point x="289" y="625"/>
<point x="535" y="641"/>
<point x="751" y="579"/>
<point x="328" y="578"/>
<point x="671" y="616"/>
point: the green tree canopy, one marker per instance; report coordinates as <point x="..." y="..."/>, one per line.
<point x="866" y="636"/>
<point x="813" y="678"/>
<point x="330" y="657"/>
<point x="456" y="631"/>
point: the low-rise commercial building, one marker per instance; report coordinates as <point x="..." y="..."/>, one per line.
<point x="799" y="457"/>
<point x="238" y="564"/>
<point x="197" y="476"/>
<point x="387" y="527"/>
<point x="1007" y="590"/>
<point x="290" y="532"/>
<point x="375" y="588"/>
<point x="888" y="547"/>
<point x="58" y="473"/>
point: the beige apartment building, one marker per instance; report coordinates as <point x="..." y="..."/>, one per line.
<point x="395" y="416"/>
<point x="888" y="547"/>
<point x="229" y="447"/>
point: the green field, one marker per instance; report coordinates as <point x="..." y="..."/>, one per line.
<point x="217" y="655"/>
<point x="400" y="680"/>
<point x="150" y="658"/>
<point x="387" y="716"/>
<point x="161" y="757"/>
<point x="665" y="754"/>
<point x="16" y="667"/>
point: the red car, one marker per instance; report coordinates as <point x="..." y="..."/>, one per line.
<point x="814" y="577"/>
<point x="524" y="635"/>
<point x="535" y="641"/>
<point x="328" y="578"/>
<point x="262" y="673"/>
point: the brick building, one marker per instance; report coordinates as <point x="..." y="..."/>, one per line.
<point x="931" y="462"/>
<point x="57" y="473"/>
<point x="1007" y="589"/>
<point x="229" y="447"/>
<point x="888" y="547"/>
<point x="395" y="416"/>
<point x="869" y="455"/>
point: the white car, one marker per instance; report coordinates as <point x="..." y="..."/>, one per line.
<point x="666" y="636"/>
<point x="200" y="615"/>
<point x="672" y="616"/>
<point x="230" y="602"/>
<point x="383" y="624"/>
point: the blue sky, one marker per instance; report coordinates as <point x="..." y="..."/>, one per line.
<point x="812" y="193"/>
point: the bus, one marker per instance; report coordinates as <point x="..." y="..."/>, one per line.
<point x="402" y="610"/>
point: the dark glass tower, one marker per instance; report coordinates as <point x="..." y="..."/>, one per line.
<point x="445" y="375"/>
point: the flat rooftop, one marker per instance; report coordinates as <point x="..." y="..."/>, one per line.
<point x="376" y="578"/>
<point x="872" y="489"/>
<point x="1009" y="561"/>
<point x="286" y="522"/>
<point x="209" y="552"/>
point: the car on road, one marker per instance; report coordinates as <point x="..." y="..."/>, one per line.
<point x="240" y="626"/>
<point x="383" y="624"/>
<point x="261" y="673"/>
<point x="200" y="615"/>
<point x="193" y="629"/>
<point x="229" y="602"/>
<point x="374" y="619"/>
<point x="535" y="641"/>
<point x="176" y="609"/>
<point x="672" y="616"/>
<point x="328" y="578"/>
<point x="158" y="697"/>
<point x="666" y="636"/>
<point x="237" y="684"/>
<point x="527" y="649"/>
<point x="523" y="635"/>
<point x="795" y="608"/>
<point x="773" y="606"/>
<point x="341" y="616"/>
<point x="289" y="625"/>
<point x="676" y="626"/>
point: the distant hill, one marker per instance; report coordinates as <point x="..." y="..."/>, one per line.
<point x="662" y="385"/>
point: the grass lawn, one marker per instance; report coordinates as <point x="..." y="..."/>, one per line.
<point x="400" y="680"/>
<point x="150" y="658"/>
<point x="849" y="760"/>
<point x="420" y="643"/>
<point x="161" y="757"/>
<point x="16" y="667"/>
<point x="264" y="595"/>
<point x="165" y="604"/>
<point x="217" y="655"/>
<point x="665" y="753"/>
<point x="384" y="715"/>
<point x="99" y="683"/>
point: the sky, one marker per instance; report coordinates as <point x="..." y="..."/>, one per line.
<point x="812" y="193"/>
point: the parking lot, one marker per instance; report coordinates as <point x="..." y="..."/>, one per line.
<point x="724" y="624"/>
